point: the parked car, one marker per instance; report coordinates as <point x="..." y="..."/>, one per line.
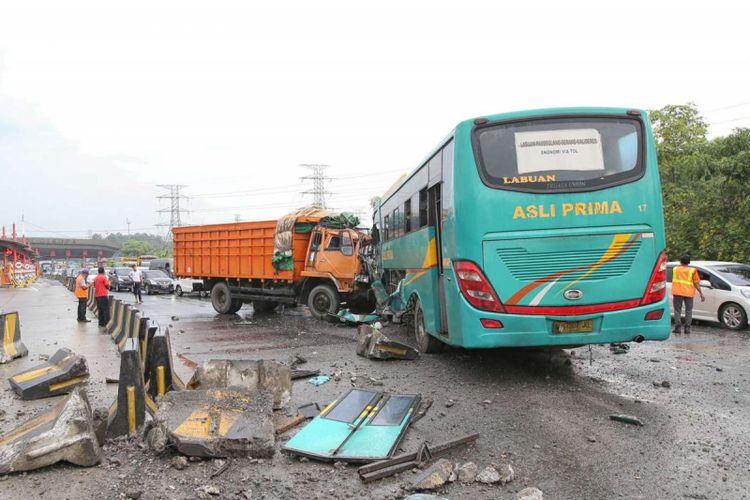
<point x="119" y="279"/>
<point x="726" y="286"/>
<point x="157" y="282"/>
<point x="190" y="285"/>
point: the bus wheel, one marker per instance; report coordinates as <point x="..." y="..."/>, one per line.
<point x="221" y="299"/>
<point x="426" y="343"/>
<point x="323" y="301"/>
<point x="264" y="306"/>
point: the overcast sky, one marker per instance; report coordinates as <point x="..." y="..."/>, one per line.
<point x="100" y="103"/>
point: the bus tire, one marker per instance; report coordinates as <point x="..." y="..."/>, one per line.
<point x="323" y="301"/>
<point x="264" y="306"/>
<point x="221" y="299"/>
<point x="426" y="343"/>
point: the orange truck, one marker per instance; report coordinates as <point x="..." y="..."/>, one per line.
<point x="237" y="263"/>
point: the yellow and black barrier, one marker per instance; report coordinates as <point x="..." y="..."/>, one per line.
<point x="115" y="308"/>
<point x="12" y="346"/>
<point x="128" y="412"/>
<point x="130" y="330"/>
<point x="159" y="372"/>
<point x="91" y="300"/>
<point x="146" y="331"/>
<point x="58" y="375"/>
<point x="123" y="312"/>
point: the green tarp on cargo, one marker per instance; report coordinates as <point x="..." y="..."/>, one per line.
<point x="340" y="221"/>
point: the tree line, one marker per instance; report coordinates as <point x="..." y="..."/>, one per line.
<point x="705" y="186"/>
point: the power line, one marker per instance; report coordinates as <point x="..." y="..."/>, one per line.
<point x="319" y="183"/>
<point x="175" y="212"/>
<point x="731" y="106"/>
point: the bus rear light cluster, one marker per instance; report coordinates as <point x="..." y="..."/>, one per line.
<point x="475" y="287"/>
<point x="657" y="284"/>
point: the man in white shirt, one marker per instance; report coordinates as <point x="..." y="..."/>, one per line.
<point x="137" y="278"/>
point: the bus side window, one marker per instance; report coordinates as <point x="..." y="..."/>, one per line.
<point x="407" y="216"/>
<point x="396" y="223"/>
<point x="347" y="248"/>
<point x="386" y="228"/>
<point x="423" y="207"/>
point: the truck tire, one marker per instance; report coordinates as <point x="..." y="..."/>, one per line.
<point x="236" y="306"/>
<point x="323" y="301"/>
<point x="426" y="343"/>
<point x="264" y="306"/>
<point x="221" y="299"/>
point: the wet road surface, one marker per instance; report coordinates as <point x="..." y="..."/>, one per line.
<point x="546" y="412"/>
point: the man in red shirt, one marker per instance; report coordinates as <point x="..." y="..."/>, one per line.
<point x="101" y="292"/>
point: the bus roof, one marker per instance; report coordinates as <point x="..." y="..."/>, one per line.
<point x="512" y="115"/>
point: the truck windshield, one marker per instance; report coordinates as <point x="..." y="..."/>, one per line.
<point x="559" y="154"/>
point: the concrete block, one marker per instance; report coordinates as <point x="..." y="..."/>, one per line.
<point x="10" y="333"/>
<point x="58" y="375"/>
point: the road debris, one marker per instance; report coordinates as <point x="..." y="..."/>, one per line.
<point x="310" y="410"/>
<point x="361" y="425"/>
<point x="467" y="473"/>
<point x="351" y="318"/>
<point x="434" y="476"/>
<point x="506" y="473"/>
<point x="406" y="461"/>
<point x="628" y="419"/>
<point x="530" y="493"/>
<point x="63" y="434"/>
<point x="319" y="380"/>
<point x="58" y="375"/>
<point x="619" y="348"/>
<point x="373" y="344"/>
<point x="256" y="376"/>
<point x="218" y="422"/>
<point x="179" y="462"/>
<point x="290" y="424"/>
<point x="298" y="374"/>
<point x="488" y="475"/>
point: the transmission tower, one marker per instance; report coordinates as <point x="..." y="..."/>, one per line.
<point x="174" y="196"/>
<point x="319" y="179"/>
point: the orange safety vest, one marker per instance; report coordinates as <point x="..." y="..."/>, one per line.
<point x="684" y="279"/>
<point x="81" y="292"/>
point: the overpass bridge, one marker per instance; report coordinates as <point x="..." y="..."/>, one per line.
<point x="68" y="248"/>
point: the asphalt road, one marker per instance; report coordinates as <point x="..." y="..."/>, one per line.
<point x="544" y="412"/>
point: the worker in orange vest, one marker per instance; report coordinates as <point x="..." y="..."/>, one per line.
<point x="685" y="281"/>
<point x="82" y="294"/>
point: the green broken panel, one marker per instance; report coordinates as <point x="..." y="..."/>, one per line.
<point x="361" y="426"/>
<point x="348" y="316"/>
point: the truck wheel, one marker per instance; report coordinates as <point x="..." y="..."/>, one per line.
<point x="426" y="343"/>
<point x="264" y="306"/>
<point x="323" y="301"/>
<point x="236" y="306"/>
<point x="178" y="291"/>
<point x="221" y="299"/>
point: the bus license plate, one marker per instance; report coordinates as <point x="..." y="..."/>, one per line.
<point x="583" y="326"/>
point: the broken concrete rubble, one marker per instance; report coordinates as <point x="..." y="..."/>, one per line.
<point x="218" y="422"/>
<point x="488" y="476"/>
<point x="255" y="376"/>
<point x="467" y="473"/>
<point x="434" y="477"/>
<point x="64" y="433"/>
<point x="58" y="375"/>
<point x="506" y="473"/>
<point x="530" y="493"/>
<point x="373" y="344"/>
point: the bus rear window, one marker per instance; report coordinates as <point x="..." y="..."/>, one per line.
<point x="559" y="154"/>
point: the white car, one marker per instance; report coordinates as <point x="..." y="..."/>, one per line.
<point x="189" y="285"/>
<point x="726" y="286"/>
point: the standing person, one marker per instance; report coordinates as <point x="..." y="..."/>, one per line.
<point x="82" y="293"/>
<point x="137" y="278"/>
<point x="101" y="293"/>
<point x="685" y="281"/>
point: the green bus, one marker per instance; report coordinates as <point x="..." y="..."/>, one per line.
<point x="533" y="228"/>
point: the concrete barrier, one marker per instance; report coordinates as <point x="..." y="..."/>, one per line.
<point x="114" y="316"/>
<point x="122" y="323"/>
<point x="10" y="329"/>
<point x="130" y="330"/>
<point x="64" y="433"/>
<point x="158" y="370"/>
<point x="58" y="375"/>
<point x="257" y="376"/>
<point x="91" y="300"/>
<point x="128" y="412"/>
<point x="146" y="331"/>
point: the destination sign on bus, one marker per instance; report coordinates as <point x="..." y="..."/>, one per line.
<point x="550" y="150"/>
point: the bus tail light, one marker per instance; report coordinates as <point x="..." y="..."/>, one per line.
<point x="657" y="284"/>
<point x="491" y="323"/>
<point x="475" y="287"/>
<point x="654" y="315"/>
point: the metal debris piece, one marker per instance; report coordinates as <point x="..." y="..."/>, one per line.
<point x="309" y="410"/>
<point x="64" y="433"/>
<point x="373" y="344"/>
<point x="628" y="419"/>
<point x="347" y="316"/>
<point x="298" y="374"/>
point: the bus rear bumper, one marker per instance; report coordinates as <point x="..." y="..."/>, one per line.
<point x="533" y="331"/>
